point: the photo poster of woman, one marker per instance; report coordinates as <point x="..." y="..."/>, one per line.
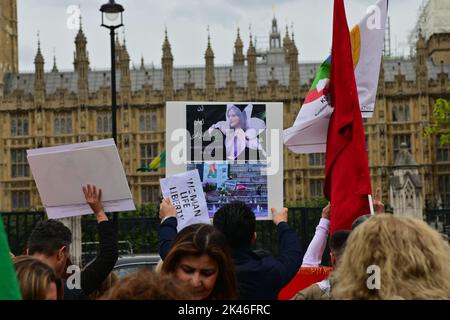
<point x="228" y="132"/>
<point x="228" y="149"/>
<point x="236" y="147"/>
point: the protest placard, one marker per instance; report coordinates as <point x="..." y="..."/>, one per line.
<point x="236" y="148"/>
<point x="60" y="172"/>
<point x="187" y="196"/>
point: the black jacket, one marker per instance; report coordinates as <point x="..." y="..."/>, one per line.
<point x="262" y="277"/>
<point x="259" y="277"/>
<point x="96" y="272"/>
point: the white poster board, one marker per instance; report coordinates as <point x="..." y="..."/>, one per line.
<point x="60" y="172"/>
<point x="186" y="193"/>
<point x="236" y="147"/>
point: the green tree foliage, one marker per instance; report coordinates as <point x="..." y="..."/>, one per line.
<point x="317" y="202"/>
<point x="441" y="117"/>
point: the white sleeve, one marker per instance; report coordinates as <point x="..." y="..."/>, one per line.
<point x="313" y="255"/>
<point x="222" y="126"/>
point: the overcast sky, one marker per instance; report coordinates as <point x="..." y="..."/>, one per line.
<point x="187" y="22"/>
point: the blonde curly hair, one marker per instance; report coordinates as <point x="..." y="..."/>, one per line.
<point x="413" y="258"/>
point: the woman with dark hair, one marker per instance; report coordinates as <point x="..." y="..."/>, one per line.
<point x="200" y="256"/>
<point x="37" y="280"/>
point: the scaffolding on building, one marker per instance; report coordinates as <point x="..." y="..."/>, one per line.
<point x="433" y="17"/>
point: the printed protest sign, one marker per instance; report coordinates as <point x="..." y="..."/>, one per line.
<point x="236" y="148"/>
<point x="186" y="193"/>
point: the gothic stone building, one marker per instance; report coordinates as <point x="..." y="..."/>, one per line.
<point x="44" y="109"/>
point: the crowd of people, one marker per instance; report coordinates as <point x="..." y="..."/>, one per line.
<point x="216" y="262"/>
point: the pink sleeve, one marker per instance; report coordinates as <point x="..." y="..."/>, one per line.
<point x="313" y="255"/>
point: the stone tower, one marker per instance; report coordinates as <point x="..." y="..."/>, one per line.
<point x="435" y="25"/>
<point x="286" y="45"/>
<point x="81" y="64"/>
<point x="210" y="78"/>
<point x="9" y="61"/>
<point x="275" y="38"/>
<point x="167" y="65"/>
<point x="294" y="71"/>
<point x="238" y="54"/>
<point x="251" y="71"/>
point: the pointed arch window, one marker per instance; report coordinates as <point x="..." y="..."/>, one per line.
<point x="104" y="124"/>
<point x="400" y="113"/>
<point x="148" y="120"/>
<point x="19" y="124"/>
<point x="62" y="123"/>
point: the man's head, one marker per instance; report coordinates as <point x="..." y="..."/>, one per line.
<point x="360" y="220"/>
<point x="49" y="242"/>
<point x="337" y="245"/>
<point x="238" y="223"/>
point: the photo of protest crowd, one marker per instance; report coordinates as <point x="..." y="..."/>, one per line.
<point x="226" y="183"/>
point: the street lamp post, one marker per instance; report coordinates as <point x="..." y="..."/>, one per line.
<point x="112" y="18"/>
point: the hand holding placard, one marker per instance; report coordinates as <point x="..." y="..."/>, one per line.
<point x="166" y="209"/>
<point x="184" y="198"/>
<point x="94" y="200"/>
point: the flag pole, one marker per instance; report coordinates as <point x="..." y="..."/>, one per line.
<point x="372" y="212"/>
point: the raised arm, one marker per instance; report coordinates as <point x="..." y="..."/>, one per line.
<point x="221" y="125"/>
<point x="290" y="254"/>
<point x="168" y="227"/>
<point x="378" y="205"/>
<point x="313" y="255"/>
<point x="96" y="272"/>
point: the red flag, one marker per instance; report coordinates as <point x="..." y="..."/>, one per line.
<point x="305" y="277"/>
<point x="347" y="178"/>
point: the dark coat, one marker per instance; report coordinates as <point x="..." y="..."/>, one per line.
<point x="96" y="272"/>
<point x="259" y="277"/>
<point x="262" y="277"/>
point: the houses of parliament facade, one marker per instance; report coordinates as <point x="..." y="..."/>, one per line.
<point x="43" y="109"/>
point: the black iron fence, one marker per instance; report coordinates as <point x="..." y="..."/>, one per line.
<point x="137" y="234"/>
<point x="142" y="231"/>
<point x="18" y="226"/>
<point x="138" y="231"/>
<point x="439" y="219"/>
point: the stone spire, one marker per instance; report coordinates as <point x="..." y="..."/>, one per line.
<point x="421" y="63"/>
<point x="238" y="55"/>
<point x="294" y="71"/>
<point x="81" y="63"/>
<point x="251" y="70"/>
<point x="39" y="83"/>
<point x="210" y="79"/>
<point x="167" y="65"/>
<point x="142" y="67"/>
<point x="286" y="44"/>
<point x="275" y="38"/>
<point x="55" y="67"/>
<point x="125" y="80"/>
<point x="118" y="49"/>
